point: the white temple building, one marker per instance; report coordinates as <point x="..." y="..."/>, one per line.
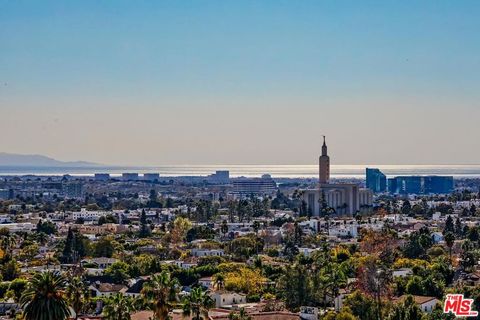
<point x="338" y="198"/>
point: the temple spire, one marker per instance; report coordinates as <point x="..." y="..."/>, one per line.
<point x="324" y="165"/>
<point x="324" y="147"/>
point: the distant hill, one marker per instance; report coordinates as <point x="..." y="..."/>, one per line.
<point x="35" y="160"/>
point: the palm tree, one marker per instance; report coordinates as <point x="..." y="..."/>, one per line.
<point x="118" y="307"/>
<point x="408" y="309"/>
<point x="224" y="228"/>
<point x="8" y="241"/>
<point x="44" y="297"/>
<point x="336" y="279"/>
<point x="197" y="304"/>
<point x="450" y="240"/>
<point x="256" y="227"/>
<point x="160" y="291"/>
<point x="77" y="295"/>
<point x="41" y="237"/>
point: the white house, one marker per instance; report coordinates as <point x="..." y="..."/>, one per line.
<point x="88" y="215"/>
<point x="19" y="227"/>
<point x="402" y="272"/>
<point x="436" y="216"/>
<point x="425" y="303"/>
<point x="185" y="265"/>
<point x="312" y="224"/>
<point x="207" y="252"/>
<point x="206" y="282"/>
<point x="343" y="230"/>
<point x="4" y="218"/>
<point x="101" y="263"/>
<point x="309" y="313"/>
<point x="225" y="298"/>
<point x="307" y="251"/>
<point x="106" y="289"/>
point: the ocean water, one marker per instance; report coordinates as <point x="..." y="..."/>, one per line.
<point x="284" y="171"/>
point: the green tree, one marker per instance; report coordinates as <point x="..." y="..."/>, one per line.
<point x="449" y="240"/>
<point x="29" y="252"/>
<point x="406" y="207"/>
<point x="197" y="304"/>
<point x="295" y="286"/>
<point x="17" y="286"/>
<point x="418" y="244"/>
<point x="118" y="307"/>
<point x="10" y="270"/>
<point x="67" y="254"/>
<point x="77" y="294"/>
<point x="240" y="315"/>
<point x="144" y="231"/>
<point x="224" y="228"/>
<point x="406" y="310"/>
<point x="334" y="278"/>
<point x="458" y="228"/>
<point x="473" y="234"/>
<point x="104" y="247"/>
<point x="180" y="229"/>
<point x="44" y="299"/>
<point x="41" y="237"/>
<point x="361" y="306"/>
<point x="469" y="256"/>
<point x="159" y="292"/>
<point x="118" y="271"/>
<point x="7" y="241"/>
<point x="153" y="199"/>
<point x="219" y="280"/>
<point x="76" y="247"/>
<point x="244" y="247"/>
<point x="343" y="315"/>
<point x="449" y="225"/>
<point x="374" y="280"/>
<point x="47" y="227"/>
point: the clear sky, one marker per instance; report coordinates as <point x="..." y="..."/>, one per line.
<point x="241" y="82"/>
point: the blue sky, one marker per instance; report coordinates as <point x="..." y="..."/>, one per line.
<point x="155" y="82"/>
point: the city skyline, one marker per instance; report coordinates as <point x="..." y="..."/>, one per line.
<point x="241" y="83"/>
<point x="212" y="159"/>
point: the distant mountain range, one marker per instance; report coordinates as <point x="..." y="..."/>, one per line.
<point x="35" y="160"/>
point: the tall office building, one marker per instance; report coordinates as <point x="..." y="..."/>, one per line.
<point x="376" y="180"/>
<point x="130" y="176"/>
<point x="439" y="184"/>
<point x="324" y="165"/>
<point x="102" y="176"/>
<point x="73" y="189"/>
<point x="4" y="194"/>
<point x="421" y="185"/>
<point x="254" y="186"/>
<point x="220" y="176"/>
<point x="152" y="177"/>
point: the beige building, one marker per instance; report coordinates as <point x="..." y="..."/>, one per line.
<point x="342" y="198"/>
<point x="107" y="228"/>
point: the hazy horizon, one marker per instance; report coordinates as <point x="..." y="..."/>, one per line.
<point x="149" y="83"/>
<point x="153" y="165"/>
